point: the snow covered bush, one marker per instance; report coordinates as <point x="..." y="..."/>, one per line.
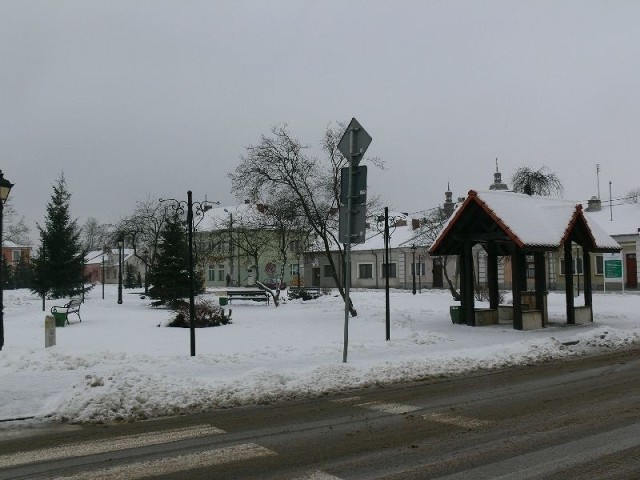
<point x="207" y="314"/>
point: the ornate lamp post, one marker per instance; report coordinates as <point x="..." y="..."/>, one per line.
<point x="120" y="259"/>
<point x="5" y="188"/>
<point x="384" y="220"/>
<point x="413" y="253"/>
<point x="200" y="208"/>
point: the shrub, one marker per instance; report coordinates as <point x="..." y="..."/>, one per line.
<point x="207" y="314"/>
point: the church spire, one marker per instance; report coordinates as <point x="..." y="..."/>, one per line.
<point x="497" y="180"/>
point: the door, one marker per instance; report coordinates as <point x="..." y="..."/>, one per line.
<point x="315" y="277"/>
<point x="632" y="271"/>
<point x="437" y="273"/>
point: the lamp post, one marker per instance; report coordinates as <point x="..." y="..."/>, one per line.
<point x="420" y="272"/>
<point x="413" y="253"/>
<point x="384" y="219"/>
<point x="120" y="255"/>
<point x="104" y="252"/>
<point x="231" y="247"/>
<point x="146" y="270"/>
<point x="5" y="188"/>
<point x="200" y="208"/>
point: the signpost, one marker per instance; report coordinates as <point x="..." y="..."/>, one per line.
<point x="613" y="269"/>
<point x="352" y="145"/>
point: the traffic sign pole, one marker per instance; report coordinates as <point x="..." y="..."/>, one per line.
<point x="352" y="145"/>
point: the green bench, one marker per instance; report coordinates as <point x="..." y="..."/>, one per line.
<point x="61" y="313"/>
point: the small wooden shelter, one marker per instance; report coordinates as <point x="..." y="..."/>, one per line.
<point x="517" y="226"/>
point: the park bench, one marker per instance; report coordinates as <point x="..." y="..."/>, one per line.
<point x="248" y="294"/>
<point x="62" y="312"/>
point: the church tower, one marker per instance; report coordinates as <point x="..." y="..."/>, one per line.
<point x="448" y="204"/>
<point x="497" y="180"/>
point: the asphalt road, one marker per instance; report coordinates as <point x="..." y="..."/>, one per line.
<point x="575" y="419"/>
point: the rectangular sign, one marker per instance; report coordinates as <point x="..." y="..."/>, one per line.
<point x="613" y="267"/>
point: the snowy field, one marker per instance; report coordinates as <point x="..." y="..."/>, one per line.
<point x="121" y="363"/>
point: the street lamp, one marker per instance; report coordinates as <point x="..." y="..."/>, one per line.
<point x="5" y="188"/>
<point x="120" y="259"/>
<point x="413" y="253"/>
<point x="231" y="248"/>
<point x="146" y="267"/>
<point x="200" y="208"/>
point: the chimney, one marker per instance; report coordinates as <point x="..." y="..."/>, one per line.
<point x="415" y="223"/>
<point x="594" y="205"/>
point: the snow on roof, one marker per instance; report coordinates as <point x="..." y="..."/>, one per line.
<point x="10" y="244"/>
<point x="95" y="256"/>
<point x="618" y="219"/>
<point x="532" y="220"/>
<point x="219" y="218"/>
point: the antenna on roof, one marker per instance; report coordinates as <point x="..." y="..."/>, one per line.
<point x="496" y="164"/>
<point x="598" y="176"/>
<point x="610" y="203"/>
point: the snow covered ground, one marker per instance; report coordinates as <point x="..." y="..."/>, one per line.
<point x="122" y="363"/>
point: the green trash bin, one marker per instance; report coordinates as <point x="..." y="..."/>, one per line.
<point x="61" y="318"/>
<point x="456" y="314"/>
<point x="223" y="301"/>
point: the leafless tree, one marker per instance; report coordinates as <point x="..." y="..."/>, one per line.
<point x="279" y="166"/>
<point x="95" y="235"/>
<point x="536" y="182"/>
<point x="15" y="229"/>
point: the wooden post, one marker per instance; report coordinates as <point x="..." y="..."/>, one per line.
<point x="540" y="284"/>
<point x="492" y="275"/>
<point x="516" y="268"/>
<point x="588" y="287"/>
<point x="568" y="281"/>
<point x="469" y="308"/>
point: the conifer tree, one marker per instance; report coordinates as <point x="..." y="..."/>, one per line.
<point x="169" y="275"/>
<point x="59" y="267"/>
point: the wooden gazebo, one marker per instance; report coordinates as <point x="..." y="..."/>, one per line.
<point x="517" y="226"/>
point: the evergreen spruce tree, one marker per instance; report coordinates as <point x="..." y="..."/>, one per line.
<point x="58" y="270"/>
<point x="169" y="275"/>
<point x="130" y="279"/>
<point x="23" y="273"/>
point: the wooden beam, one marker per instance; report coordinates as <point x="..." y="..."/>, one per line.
<point x="541" y="284"/>
<point x="568" y="282"/>
<point x="492" y="275"/>
<point x="515" y="287"/>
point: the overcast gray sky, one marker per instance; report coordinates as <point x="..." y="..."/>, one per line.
<point x="152" y="98"/>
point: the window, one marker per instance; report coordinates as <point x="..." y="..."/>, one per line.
<point x="294" y="246"/>
<point x="15" y="256"/>
<point x="327" y="271"/>
<point x="211" y="273"/>
<point x="599" y="265"/>
<point x="221" y="272"/>
<point x="392" y="270"/>
<point x="365" y="270"/>
<point x="419" y="268"/>
<point x="577" y="266"/>
<point x="295" y="269"/>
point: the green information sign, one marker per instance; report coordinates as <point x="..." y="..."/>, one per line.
<point x="613" y="269"/>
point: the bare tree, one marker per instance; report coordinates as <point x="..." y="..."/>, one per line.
<point x="536" y="182"/>
<point x="94" y="235"/>
<point x="278" y="166"/>
<point x="15" y="229"/>
<point x="430" y="227"/>
<point x="633" y="195"/>
<point x="143" y="228"/>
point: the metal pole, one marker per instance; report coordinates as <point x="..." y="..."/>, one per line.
<point x="43" y="265"/>
<point x="413" y="260"/>
<point x="103" y="273"/>
<point x="610" y="202"/>
<point x="120" y="255"/>
<point x="386" y="273"/>
<point x="192" y="308"/>
<point x="420" y="273"/>
<point x="347" y="277"/>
